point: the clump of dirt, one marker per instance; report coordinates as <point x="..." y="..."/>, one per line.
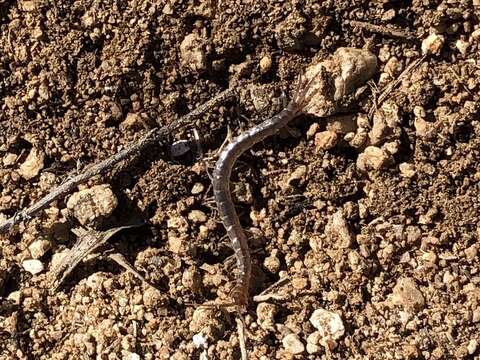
<point x="363" y="228"/>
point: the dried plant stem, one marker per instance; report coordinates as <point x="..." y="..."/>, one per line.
<point x="392" y="85"/>
<point x="151" y="137"/>
<point x="382" y="29"/>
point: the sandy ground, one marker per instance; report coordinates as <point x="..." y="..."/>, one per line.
<point x="368" y="223"/>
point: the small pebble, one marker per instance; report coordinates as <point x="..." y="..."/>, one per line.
<point x="272" y="262"/>
<point x="197" y="216"/>
<point x="476" y="35"/>
<point x="433" y="44"/>
<point x="373" y="158"/>
<point x="91" y="206"/>
<point x="39" y="248"/>
<point x="265" y="64"/>
<point x="192" y="53"/>
<point x="393" y="67"/>
<point x="33" y="266"/>
<point x="424" y="129"/>
<point x="406" y="294"/>
<point x="199" y="341"/>
<point x="293" y="344"/>
<point x="476" y="315"/>
<point x="462" y="46"/>
<point x="386" y="122"/>
<point x="471" y="252"/>
<point x="197" y="188"/>
<point x="297" y="175"/>
<point x="266" y="315"/>
<point x="33" y="164"/>
<point x="326" y="140"/>
<point x="207" y="322"/>
<point x="391" y="147"/>
<point x="176" y="244"/>
<point x="312" y="130"/>
<point x="342" y="124"/>
<point x="9" y="159"/>
<point x="133" y="356"/>
<point x="337" y="230"/>
<point x="134" y="121"/>
<point x="472" y="346"/>
<point x="407" y="170"/>
<point x="328" y="323"/>
<point x="15" y="297"/>
<point x="349" y="67"/>
<point x="313" y="342"/>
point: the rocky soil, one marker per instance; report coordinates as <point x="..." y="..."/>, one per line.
<point x="364" y="227"/>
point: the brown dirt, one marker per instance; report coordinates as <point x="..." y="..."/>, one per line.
<point x="391" y="247"/>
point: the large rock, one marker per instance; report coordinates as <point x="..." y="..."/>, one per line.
<point x="92" y="206"/>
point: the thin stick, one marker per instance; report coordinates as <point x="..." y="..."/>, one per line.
<point x="392" y="85"/>
<point x="151" y="137"/>
<point x="381" y="29"/>
<point x="120" y="260"/>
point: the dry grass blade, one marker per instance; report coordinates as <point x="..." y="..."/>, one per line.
<point x="271" y="293"/>
<point x="88" y="241"/>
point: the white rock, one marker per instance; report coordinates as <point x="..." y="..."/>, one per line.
<point x="407" y="170"/>
<point x="192" y="52"/>
<point x="39" y="248"/>
<point x="313" y="343"/>
<point x="197" y="216"/>
<point x="476" y="34"/>
<point x="328" y="323"/>
<point x="197" y="188"/>
<point x="133" y="356"/>
<point x="92" y="205"/>
<point x="33" y="266"/>
<point x="349" y="67"/>
<point x="373" y="158"/>
<point x="433" y="44"/>
<point x="15" y="296"/>
<point x="32" y="164"/>
<point x="293" y="344"/>
<point x="200" y="341"/>
<point x="462" y="46"/>
<point x="9" y="159"/>
<point x="472" y="346"/>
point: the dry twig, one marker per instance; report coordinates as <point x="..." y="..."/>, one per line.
<point x="153" y="136"/>
<point x="381" y="29"/>
<point x="392" y="85"/>
<point x="120" y="260"/>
